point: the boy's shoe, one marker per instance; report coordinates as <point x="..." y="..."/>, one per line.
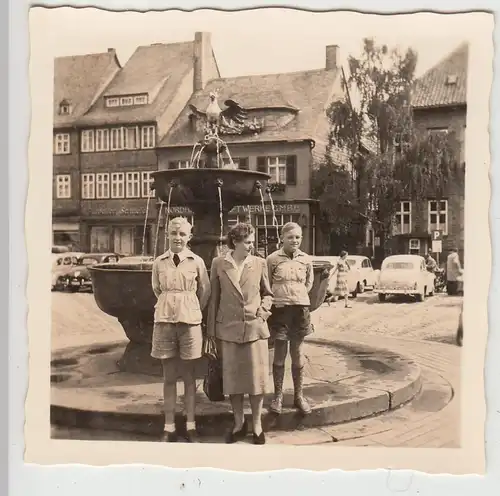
<point x="191" y="436"/>
<point x="169" y="437"/>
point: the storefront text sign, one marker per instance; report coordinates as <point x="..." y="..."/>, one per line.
<point x="283" y="208"/>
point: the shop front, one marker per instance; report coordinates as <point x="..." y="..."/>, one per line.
<point x="66" y="234"/>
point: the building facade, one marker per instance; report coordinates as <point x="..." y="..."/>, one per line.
<point x="439" y="106"/>
<point x="285" y="130"/>
<point x="78" y="81"/>
<point x="114" y="143"/>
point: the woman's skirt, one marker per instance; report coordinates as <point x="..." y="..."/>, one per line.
<point x="245" y="367"/>
<point x="341" y="288"/>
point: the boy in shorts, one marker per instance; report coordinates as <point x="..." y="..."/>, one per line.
<point x="291" y="276"/>
<point x="181" y="284"/>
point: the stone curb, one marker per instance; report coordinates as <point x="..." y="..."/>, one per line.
<point x="343" y="401"/>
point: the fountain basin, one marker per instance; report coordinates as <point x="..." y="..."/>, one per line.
<point x="198" y="188"/>
<point x="124" y="291"/>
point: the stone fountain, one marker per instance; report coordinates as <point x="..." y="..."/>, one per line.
<point x="124" y="291"/>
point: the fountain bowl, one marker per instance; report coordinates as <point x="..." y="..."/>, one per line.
<point x="124" y="291"/>
<point x="199" y="187"/>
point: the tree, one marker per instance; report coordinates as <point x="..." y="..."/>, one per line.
<point x="390" y="157"/>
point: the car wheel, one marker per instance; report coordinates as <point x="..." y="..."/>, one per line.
<point x="360" y="288"/>
<point x="421" y="296"/>
<point x="381" y="297"/>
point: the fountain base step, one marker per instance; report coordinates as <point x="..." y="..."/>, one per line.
<point x="343" y="382"/>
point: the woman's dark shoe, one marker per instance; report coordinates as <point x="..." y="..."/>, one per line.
<point x="169" y="437"/>
<point x="259" y="438"/>
<point x="234" y="437"/>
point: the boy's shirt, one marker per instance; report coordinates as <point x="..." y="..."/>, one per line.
<point x="183" y="290"/>
<point x="291" y="278"/>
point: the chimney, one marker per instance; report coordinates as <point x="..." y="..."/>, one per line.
<point x="202" y="54"/>
<point x="111" y="50"/>
<point x="332" y="53"/>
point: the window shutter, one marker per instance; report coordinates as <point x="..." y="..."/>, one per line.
<point x="244" y="163"/>
<point x="291" y="170"/>
<point x="172" y="165"/>
<point x="261" y="164"/>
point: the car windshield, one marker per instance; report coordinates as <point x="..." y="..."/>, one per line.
<point x="87" y="261"/>
<point x="399" y="266"/>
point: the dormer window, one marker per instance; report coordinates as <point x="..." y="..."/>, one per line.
<point x="64" y="108"/>
<point x="126" y="100"/>
<point x="452" y="79"/>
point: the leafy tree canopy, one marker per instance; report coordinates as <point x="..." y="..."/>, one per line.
<point x="404" y="161"/>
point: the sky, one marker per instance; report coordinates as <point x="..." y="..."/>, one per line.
<point x="259" y="41"/>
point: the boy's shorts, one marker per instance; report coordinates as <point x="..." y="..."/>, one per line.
<point x="176" y="340"/>
<point x="290" y="323"/>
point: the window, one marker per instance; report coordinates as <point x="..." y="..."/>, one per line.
<point x="88" y="186"/>
<point x="402" y="221"/>
<point x="131" y="138"/>
<point x="183" y="164"/>
<point x="133" y="184"/>
<point x="147" y="181"/>
<point x="148" y="137"/>
<point x="64" y="109"/>
<point x="414" y="246"/>
<point x="63" y="186"/>
<point x="272" y="230"/>
<point x="117" y="185"/>
<point x="232" y="220"/>
<point x="438" y="216"/>
<point x="140" y="100"/>
<point x="112" y="102"/>
<point x="102" y="140"/>
<point x="126" y="100"/>
<point x="88" y="140"/>
<point x="437" y="130"/>
<point x="102" y="185"/>
<point x="116" y="138"/>
<point x="276" y="167"/>
<point x="61" y="144"/>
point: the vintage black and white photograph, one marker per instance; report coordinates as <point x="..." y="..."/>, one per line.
<point x="258" y="230"/>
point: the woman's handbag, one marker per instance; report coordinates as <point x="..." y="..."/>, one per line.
<point x="212" y="384"/>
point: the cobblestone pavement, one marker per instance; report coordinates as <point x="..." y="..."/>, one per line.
<point x="76" y="319"/>
<point x="423" y="331"/>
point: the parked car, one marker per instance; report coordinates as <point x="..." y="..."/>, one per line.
<point x="354" y="279"/>
<point x="78" y="277"/>
<point x="367" y="276"/>
<point x="135" y="259"/>
<point x="405" y="274"/>
<point x="62" y="263"/>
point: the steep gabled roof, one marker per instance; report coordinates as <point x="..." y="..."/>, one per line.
<point x="78" y="81"/>
<point x="305" y="95"/>
<point x="444" y="84"/>
<point x="157" y="70"/>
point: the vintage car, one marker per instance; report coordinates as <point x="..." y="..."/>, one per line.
<point x="367" y="276"/>
<point x="78" y="278"/>
<point x="62" y="263"/>
<point x="406" y="275"/>
<point x="354" y="278"/>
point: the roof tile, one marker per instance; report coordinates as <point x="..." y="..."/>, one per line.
<point x="433" y="89"/>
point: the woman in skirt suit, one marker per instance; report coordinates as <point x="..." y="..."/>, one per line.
<point x="342" y="287"/>
<point x="237" y="316"/>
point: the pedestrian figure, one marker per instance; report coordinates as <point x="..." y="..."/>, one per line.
<point x="342" y="287"/>
<point x="292" y="276"/>
<point x="453" y="272"/>
<point x="181" y="284"/>
<point x="430" y="264"/>
<point x="237" y="317"/>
